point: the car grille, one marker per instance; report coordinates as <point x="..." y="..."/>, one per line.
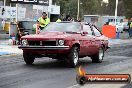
<point x="42" y="43"/>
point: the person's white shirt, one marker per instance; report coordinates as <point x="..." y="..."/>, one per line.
<point x="3" y="24"/>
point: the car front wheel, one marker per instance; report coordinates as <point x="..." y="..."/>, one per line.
<point x="98" y="58"/>
<point x="73" y="57"/>
<point x="28" y="58"/>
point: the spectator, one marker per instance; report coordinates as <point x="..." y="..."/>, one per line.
<point x="43" y="21"/>
<point x="130" y="27"/>
<point x="3" y="23"/>
<point x="58" y="20"/>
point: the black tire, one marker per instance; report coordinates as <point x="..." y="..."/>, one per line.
<point x="73" y="57"/>
<point x="81" y="80"/>
<point x="28" y="58"/>
<point x="98" y="58"/>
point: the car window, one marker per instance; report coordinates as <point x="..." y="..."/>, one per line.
<point x="96" y="32"/>
<point x="87" y="28"/>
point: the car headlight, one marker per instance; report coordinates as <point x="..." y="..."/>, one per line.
<point x="24" y="42"/>
<point x="61" y="42"/>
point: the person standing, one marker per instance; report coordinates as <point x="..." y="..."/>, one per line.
<point x="68" y="18"/>
<point x="3" y="24"/>
<point x="130" y="30"/>
<point x="130" y="27"/>
<point x="43" y="21"/>
<point x="59" y="19"/>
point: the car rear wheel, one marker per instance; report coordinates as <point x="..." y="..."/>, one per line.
<point x="98" y="58"/>
<point x="28" y="58"/>
<point x="73" y="57"/>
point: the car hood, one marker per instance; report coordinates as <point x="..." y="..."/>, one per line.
<point x="48" y="35"/>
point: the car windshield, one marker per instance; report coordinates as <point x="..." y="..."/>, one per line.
<point x="62" y="27"/>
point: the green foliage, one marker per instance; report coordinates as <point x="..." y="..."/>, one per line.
<point x="71" y="8"/>
<point x="62" y="4"/>
<point x="91" y="6"/>
<point x="86" y="7"/>
<point x="128" y="8"/>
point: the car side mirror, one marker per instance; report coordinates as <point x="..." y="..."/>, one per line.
<point x="84" y="33"/>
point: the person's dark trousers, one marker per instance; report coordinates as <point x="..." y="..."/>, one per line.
<point x="130" y="32"/>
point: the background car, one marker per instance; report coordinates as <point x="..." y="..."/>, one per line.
<point x="67" y="41"/>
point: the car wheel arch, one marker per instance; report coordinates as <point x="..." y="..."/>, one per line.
<point x="76" y="45"/>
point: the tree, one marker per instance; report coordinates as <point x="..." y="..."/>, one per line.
<point x="103" y="9"/>
<point x="121" y="8"/>
<point x="62" y="4"/>
<point x="111" y="7"/>
<point x="91" y="6"/>
<point x="128" y="8"/>
<point x="71" y="8"/>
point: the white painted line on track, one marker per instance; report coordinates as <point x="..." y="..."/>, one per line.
<point x="74" y="86"/>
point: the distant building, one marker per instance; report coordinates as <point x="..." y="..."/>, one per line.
<point x="91" y="18"/>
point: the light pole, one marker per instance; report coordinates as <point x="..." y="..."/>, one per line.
<point x="116" y="11"/>
<point x="4" y="2"/>
<point x="16" y="12"/>
<point x="78" y="10"/>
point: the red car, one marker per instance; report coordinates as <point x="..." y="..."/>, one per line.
<point x="65" y="40"/>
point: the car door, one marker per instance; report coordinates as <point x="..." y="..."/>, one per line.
<point x="97" y="39"/>
<point x="87" y="40"/>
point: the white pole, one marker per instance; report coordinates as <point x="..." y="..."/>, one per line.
<point x="4" y="3"/>
<point x="10" y="23"/>
<point x="116" y="11"/>
<point x="50" y="5"/>
<point x="16" y="12"/>
<point x="78" y="9"/>
<point x="50" y="2"/>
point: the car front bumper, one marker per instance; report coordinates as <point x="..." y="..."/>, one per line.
<point x="44" y="47"/>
